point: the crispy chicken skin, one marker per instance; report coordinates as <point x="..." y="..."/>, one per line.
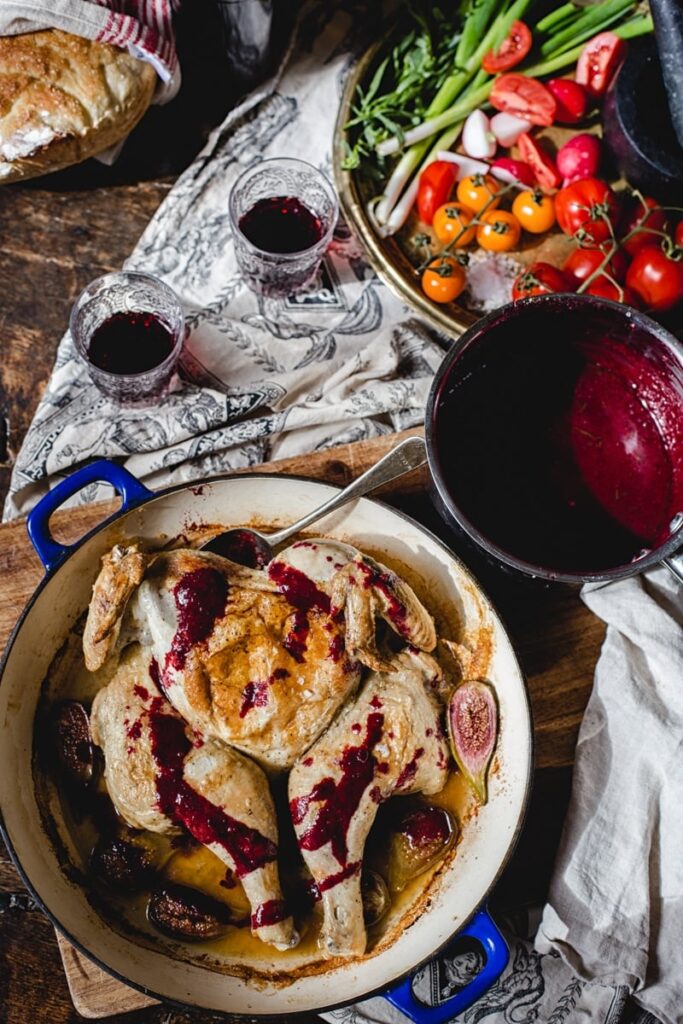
<point x="162" y="776"/>
<point x="218" y="661"/>
<point x="386" y="742"/>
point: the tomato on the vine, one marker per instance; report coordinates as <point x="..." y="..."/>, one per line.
<point x="444" y="279"/>
<point x="476" y="190"/>
<point x="599" y="62"/>
<point x="645" y="213"/>
<point x="534" y="211"/>
<point x="678" y="235"/>
<point x="511" y="51"/>
<point x="657" y="277"/>
<point x="586" y="208"/>
<point x="540" y="279"/>
<point x="451" y="224"/>
<point x="499" y="231"/>
<point x="581" y="263"/>
<point x="436" y="184"/>
<point x="540" y="161"/>
<point x="606" y="289"/>
<point x="524" y="97"/>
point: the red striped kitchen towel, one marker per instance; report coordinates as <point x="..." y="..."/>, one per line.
<point x="143" y="27"/>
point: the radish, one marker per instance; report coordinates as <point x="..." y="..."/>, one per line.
<point x="514" y="171"/>
<point x="579" y="158"/>
<point x="478" y="140"/>
<point x="466" y="165"/>
<point x="507" y="128"/>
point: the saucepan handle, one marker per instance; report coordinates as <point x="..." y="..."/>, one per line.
<point x="50" y="551"/>
<point x="420" y="997"/>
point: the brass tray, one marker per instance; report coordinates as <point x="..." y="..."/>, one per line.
<point x="388" y="256"/>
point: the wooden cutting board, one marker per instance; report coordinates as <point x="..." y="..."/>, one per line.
<point x="557" y="638"/>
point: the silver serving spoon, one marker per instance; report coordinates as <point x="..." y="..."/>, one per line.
<point x="255" y="549"/>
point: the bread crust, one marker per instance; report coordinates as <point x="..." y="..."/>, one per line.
<point x="64" y="99"/>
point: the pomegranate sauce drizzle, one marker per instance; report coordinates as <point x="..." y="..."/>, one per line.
<point x="340" y="800"/>
<point x="209" y="824"/>
<point x="302" y="593"/>
<point x="200" y="599"/>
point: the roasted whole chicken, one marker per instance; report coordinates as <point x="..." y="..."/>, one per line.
<point x="224" y="676"/>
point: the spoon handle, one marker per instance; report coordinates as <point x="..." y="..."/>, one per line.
<point x="406" y="456"/>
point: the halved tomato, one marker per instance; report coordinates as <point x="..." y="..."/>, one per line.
<point x="599" y="62"/>
<point x="436" y="183"/>
<point x="511" y="51"/>
<point x="524" y="97"/>
<point x="540" y="161"/>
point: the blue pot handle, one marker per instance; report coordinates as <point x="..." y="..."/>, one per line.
<point x="131" y="490"/>
<point x="482" y="928"/>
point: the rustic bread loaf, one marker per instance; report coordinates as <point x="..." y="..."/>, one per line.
<point x="64" y="98"/>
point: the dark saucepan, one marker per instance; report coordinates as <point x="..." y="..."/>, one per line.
<point x="555" y="438"/>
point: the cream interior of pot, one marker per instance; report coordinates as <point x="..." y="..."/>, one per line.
<point x="212" y="977"/>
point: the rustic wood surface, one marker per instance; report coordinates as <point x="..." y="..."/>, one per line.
<point x="55" y="235"/>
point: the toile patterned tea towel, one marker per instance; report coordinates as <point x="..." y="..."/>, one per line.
<point x="261" y="378"/>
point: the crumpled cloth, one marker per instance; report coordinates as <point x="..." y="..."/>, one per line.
<point x="143" y="27"/>
<point x="615" y="909"/>
<point x="261" y="378"/>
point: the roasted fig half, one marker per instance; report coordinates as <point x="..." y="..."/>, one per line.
<point x="127" y="864"/>
<point x="473" y="731"/>
<point x="184" y="913"/>
<point x="375" y="897"/>
<point x="73" y="742"/>
<point x="420" y="838"/>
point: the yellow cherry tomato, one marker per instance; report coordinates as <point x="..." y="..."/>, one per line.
<point x="476" y="190"/>
<point x="444" y="279"/>
<point x="534" y="211"/>
<point x="451" y="224"/>
<point x="499" y="231"/>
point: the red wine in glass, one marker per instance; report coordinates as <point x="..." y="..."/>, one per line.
<point x="281" y="224"/>
<point x="130" y="342"/>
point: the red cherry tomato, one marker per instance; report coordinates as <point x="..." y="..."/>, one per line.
<point x="656" y="278"/>
<point x="606" y="289"/>
<point x="511" y="51"/>
<point x="581" y="209"/>
<point x="571" y="99"/>
<point x="599" y="62"/>
<point x="635" y="215"/>
<point x="678" y="235"/>
<point x="540" y="279"/>
<point x="524" y="97"/>
<point x="436" y="185"/>
<point x="540" y="161"/>
<point x="581" y="263"/>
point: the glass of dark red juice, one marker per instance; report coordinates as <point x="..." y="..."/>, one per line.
<point x="283" y="213"/>
<point x="129" y="328"/>
<point x="555" y="439"/>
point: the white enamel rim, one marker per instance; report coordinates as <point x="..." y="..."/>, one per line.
<point x="487" y="841"/>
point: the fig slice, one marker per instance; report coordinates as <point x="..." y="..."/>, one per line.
<point x="421" y="837"/>
<point x="73" y="741"/>
<point x="375" y="897"/>
<point x="124" y="864"/>
<point x="473" y="730"/>
<point x="184" y="913"/>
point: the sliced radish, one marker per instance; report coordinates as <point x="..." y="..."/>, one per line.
<point x="507" y="128"/>
<point x="466" y="165"/>
<point x="516" y="172"/>
<point x="478" y="140"/>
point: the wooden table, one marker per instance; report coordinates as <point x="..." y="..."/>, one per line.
<point x="57" y="234"/>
